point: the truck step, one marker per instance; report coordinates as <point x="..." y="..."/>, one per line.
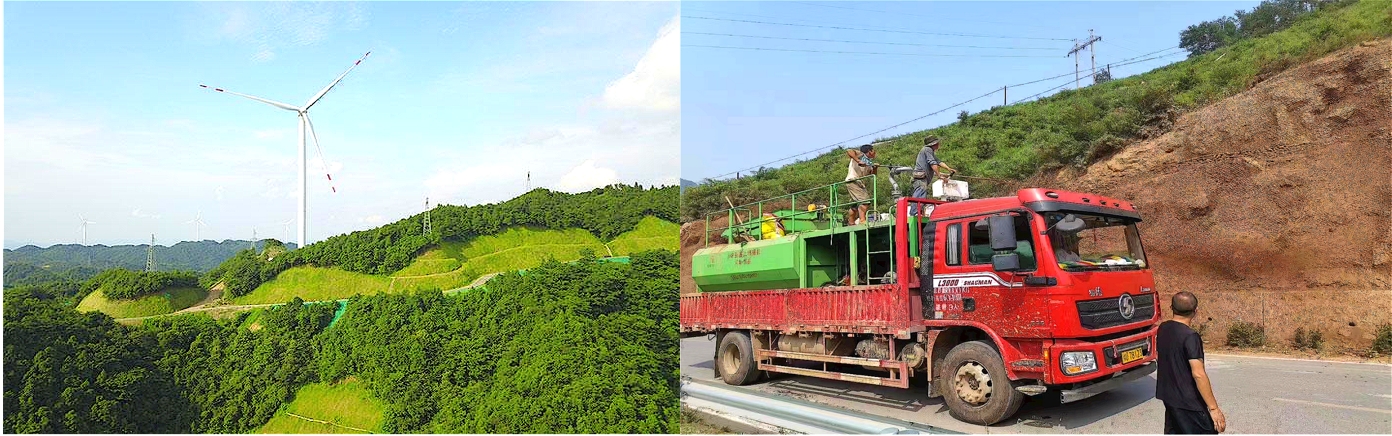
<point x="897" y="369"/>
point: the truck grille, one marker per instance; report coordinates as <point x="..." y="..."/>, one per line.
<point x="1103" y="313"/>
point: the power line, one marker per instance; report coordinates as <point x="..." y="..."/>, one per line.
<point x="820" y="149"/>
<point x="1065" y="83"/>
<point x="1123" y="62"/>
<point x="865" y="52"/>
<point x="968" y="35"/>
<point x="914" y="15"/>
<point x="870" y="42"/>
<point x="1122" y="47"/>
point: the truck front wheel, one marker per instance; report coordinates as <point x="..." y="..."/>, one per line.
<point x="977" y="388"/>
<point x="735" y="357"/>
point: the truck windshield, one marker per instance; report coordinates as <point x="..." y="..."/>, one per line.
<point x="1103" y="244"/>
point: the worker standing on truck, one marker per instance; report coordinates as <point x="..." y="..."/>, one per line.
<point x="925" y="167"/>
<point x="1181" y="382"/>
<point x="860" y="166"/>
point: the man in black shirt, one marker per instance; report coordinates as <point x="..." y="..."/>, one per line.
<point x="1181" y="382"/>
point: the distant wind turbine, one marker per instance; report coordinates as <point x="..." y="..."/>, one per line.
<point x="286" y="224"/>
<point x="85" y="222"/>
<point x="198" y="224"/>
<point x="304" y="124"/>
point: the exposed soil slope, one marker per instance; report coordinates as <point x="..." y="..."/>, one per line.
<point x="1280" y="195"/>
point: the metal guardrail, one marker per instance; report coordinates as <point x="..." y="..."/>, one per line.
<point x="756" y="209"/>
<point x="815" y="416"/>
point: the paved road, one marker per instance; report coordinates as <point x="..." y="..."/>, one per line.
<point x="1259" y="395"/>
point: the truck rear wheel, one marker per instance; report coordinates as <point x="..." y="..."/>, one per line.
<point x="735" y="358"/>
<point x="977" y="389"/>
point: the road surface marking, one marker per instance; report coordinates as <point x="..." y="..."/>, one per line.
<point x="1300" y="360"/>
<point x="1340" y="406"/>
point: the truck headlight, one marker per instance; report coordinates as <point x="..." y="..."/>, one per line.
<point x="1077" y="362"/>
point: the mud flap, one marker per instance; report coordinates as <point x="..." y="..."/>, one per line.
<point x="715" y="357"/>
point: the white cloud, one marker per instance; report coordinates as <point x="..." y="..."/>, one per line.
<point x="141" y="214"/>
<point x="655" y="83"/>
<point x="563" y="158"/>
<point x="587" y="176"/>
<point x="269" y="27"/>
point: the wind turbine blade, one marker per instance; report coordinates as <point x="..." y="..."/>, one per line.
<point x="324" y="163"/>
<point x="326" y="89"/>
<point x="270" y="102"/>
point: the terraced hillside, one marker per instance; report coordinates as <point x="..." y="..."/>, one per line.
<point x="165" y="301"/>
<point x="454" y="264"/>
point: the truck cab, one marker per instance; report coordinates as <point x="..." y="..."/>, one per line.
<point x="988" y="300"/>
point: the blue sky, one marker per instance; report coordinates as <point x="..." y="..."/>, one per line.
<point x="742" y="108"/>
<point x="458" y="101"/>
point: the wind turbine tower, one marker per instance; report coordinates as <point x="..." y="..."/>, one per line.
<point x="198" y="225"/>
<point x="85" y="222"/>
<point x="286" y="226"/>
<point x="304" y="125"/>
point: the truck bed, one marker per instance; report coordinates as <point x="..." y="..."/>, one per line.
<point x="880" y="309"/>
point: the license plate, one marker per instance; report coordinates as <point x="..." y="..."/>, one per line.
<point x="1131" y="355"/>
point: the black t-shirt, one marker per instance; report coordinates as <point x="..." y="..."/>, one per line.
<point x="1175" y="345"/>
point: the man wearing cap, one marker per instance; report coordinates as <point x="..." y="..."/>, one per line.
<point x="860" y="166"/>
<point x="926" y="167"/>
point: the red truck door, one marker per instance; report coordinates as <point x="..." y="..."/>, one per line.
<point x="966" y="286"/>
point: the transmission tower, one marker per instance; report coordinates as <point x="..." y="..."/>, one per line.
<point x="529" y="181"/>
<point x="1089" y="44"/>
<point x="150" y="255"/>
<point x="253" y="239"/>
<point x="426" y="228"/>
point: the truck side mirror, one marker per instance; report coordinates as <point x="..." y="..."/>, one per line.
<point x="1002" y="233"/>
<point x="1006" y="262"/>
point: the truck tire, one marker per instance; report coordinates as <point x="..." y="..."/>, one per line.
<point x="735" y="358"/>
<point x="976" y="387"/>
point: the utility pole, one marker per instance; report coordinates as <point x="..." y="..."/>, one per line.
<point x="529" y="181"/>
<point x="1005" y="95"/>
<point x="150" y="255"/>
<point x="1074" y="53"/>
<point x="425" y="230"/>
<point x="1092" y="53"/>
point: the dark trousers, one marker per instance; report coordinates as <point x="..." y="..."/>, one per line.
<point x="1182" y="421"/>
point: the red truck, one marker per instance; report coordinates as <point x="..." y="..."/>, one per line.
<point x="987" y="300"/>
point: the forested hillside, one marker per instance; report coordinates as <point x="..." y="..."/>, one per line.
<point x="583" y="347"/>
<point x="605" y="212"/>
<point x="586" y="347"/>
<point x="31" y="265"/>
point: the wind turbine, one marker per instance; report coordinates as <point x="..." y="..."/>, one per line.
<point x="304" y="124"/>
<point x="286" y="224"/>
<point x="85" y="222"/>
<point x="197" y="222"/>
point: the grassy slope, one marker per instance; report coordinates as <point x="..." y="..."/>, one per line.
<point x="514" y="249"/>
<point x="1074" y="128"/>
<point x="313" y="284"/>
<point x="347" y="403"/>
<point x="453" y="264"/>
<point x="166" y="301"/>
<point x="650" y="233"/>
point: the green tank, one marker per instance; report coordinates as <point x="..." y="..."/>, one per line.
<point x="779" y="263"/>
